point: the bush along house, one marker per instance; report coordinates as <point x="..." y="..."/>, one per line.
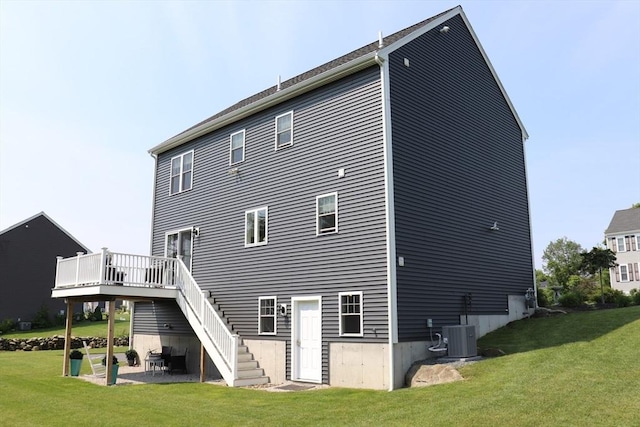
<point x="326" y="229"/>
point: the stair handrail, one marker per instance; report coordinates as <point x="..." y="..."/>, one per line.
<point x="224" y="341"/>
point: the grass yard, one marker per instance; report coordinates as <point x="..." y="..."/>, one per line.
<point x="80" y="329"/>
<point x="582" y="369"/>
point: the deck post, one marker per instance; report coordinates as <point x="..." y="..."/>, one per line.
<point x="67" y="338"/>
<point x="103" y="266"/>
<point x="203" y="355"/>
<point x="109" y="359"/>
<point x="78" y="255"/>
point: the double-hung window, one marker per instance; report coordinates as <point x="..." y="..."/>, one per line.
<point x="624" y="273"/>
<point x="350" y="313"/>
<point x="621" y="246"/>
<point x="267" y="315"/>
<point x="255" y="227"/>
<point x="327" y="214"/>
<point x="181" y="172"/>
<point x="236" y="148"/>
<point x="284" y="130"/>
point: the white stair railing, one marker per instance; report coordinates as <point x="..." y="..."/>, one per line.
<point x="223" y="342"/>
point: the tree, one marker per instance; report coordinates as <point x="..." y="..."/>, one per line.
<point x="635" y="205"/>
<point x="562" y="260"/>
<point x="596" y="260"/>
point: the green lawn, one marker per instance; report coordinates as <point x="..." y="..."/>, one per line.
<point x="80" y="329"/>
<point x="582" y="369"/>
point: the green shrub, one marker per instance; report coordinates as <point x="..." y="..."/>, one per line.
<point x="41" y="319"/>
<point x="543" y="298"/>
<point x="59" y="319"/>
<point x="571" y="299"/>
<point x="621" y="299"/>
<point x="7" y="325"/>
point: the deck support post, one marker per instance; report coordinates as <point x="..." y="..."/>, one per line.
<point x="203" y="363"/>
<point x="109" y="357"/>
<point x="67" y="338"/>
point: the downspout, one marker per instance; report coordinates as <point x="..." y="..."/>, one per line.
<point x="390" y="214"/>
<point x="526" y="181"/>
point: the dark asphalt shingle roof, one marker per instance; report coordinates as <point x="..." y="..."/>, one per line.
<point x="624" y="220"/>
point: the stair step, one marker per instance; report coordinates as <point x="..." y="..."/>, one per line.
<point x="248" y="364"/>
<point x="243" y="349"/>
<point x="245" y="357"/>
<point x="244" y="382"/>
<point x="250" y="373"/>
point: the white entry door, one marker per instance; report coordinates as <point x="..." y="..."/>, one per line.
<point x="307" y="339"/>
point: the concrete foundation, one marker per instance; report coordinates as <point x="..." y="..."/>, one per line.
<point x="487" y="323"/>
<point x="357" y="365"/>
<point x="271" y="356"/>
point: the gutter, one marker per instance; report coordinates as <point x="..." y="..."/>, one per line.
<point x="278" y="97"/>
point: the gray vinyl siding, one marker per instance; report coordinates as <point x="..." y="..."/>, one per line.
<point x="458" y="166"/>
<point x="150" y="318"/>
<point x="336" y="126"/>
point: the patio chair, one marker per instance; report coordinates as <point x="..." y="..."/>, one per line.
<point x="166" y="355"/>
<point x="98" y="369"/>
<point x="179" y="363"/>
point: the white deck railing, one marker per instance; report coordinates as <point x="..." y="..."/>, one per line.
<point x="224" y="341"/>
<point x="110" y="268"/>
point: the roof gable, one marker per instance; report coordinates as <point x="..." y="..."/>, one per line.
<point x="48" y="218"/>
<point x="627" y="220"/>
<point x="340" y="67"/>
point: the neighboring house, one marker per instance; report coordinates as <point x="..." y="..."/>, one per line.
<point x="340" y="219"/>
<point x="623" y="238"/>
<point x="28" y="253"/>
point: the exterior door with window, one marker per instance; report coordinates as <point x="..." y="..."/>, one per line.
<point x="179" y="244"/>
<point x="307" y="340"/>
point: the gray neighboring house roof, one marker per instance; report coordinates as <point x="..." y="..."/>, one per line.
<point x="337" y="68"/>
<point x="19" y="224"/>
<point x="624" y="221"/>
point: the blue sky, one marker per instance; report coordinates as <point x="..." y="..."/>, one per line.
<point x="86" y="88"/>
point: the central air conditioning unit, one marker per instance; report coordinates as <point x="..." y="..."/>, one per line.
<point x="461" y="340"/>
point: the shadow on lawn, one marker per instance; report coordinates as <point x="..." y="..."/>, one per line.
<point x="536" y="333"/>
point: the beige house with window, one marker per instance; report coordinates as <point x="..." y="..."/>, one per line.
<point x="623" y="238"/>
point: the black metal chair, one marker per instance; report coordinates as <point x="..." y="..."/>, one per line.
<point x="166" y="356"/>
<point x="179" y="363"/>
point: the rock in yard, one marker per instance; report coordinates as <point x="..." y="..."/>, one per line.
<point x="426" y="375"/>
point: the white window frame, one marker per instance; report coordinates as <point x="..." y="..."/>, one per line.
<point x="231" y="149"/>
<point x="178" y="232"/>
<point x="319" y="232"/>
<point x="624" y="244"/>
<point x="275" y="315"/>
<point x="637" y="242"/>
<point x="626" y="272"/>
<point x="256" y="229"/>
<point x="290" y="143"/>
<point x="181" y="173"/>
<point x="341" y="314"/>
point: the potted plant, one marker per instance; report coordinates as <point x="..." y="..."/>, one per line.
<point x="132" y="357"/>
<point x="114" y="368"/>
<point x="75" y="358"/>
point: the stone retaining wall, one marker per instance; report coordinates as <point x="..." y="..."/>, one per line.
<point x="56" y="342"/>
